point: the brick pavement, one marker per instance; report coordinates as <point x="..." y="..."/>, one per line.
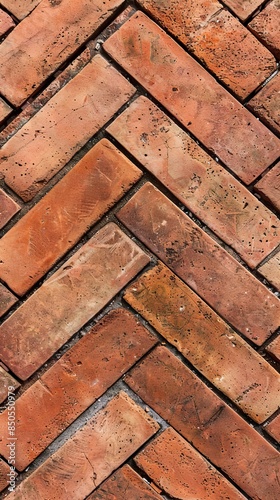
<point x="139" y="250"/>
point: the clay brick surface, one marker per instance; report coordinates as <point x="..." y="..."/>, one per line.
<point x="269" y="186"/>
<point x="204" y="265"/>
<point x="273" y="428"/>
<point x="54" y="30"/>
<point x="20" y="8"/>
<point x="181" y="472"/>
<point x="7" y="299"/>
<point x="6" y="381"/>
<point x="178" y="82"/>
<point x="67" y="389"/>
<point x="6" y="22"/>
<point x="220" y="354"/>
<point x="203" y="186"/>
<point x="243" y="8"/>
<point x="266" y="104"/>
<point x="271" y="270"/>
<point x="266" y="26"/>
<point x="125" y="483"/>
<point x="213" y="428"/>
<point x="68" y="299"/>
<point x="62" y="127"/>
<point x="92" y="454"/>
<point x="218" y="39"/>
<point x="274" y="348"/>
<point x="59" y="220"/>
<point x="5" y="110"/>
<point x="4" y="478"/>
<point x="8" y="208"/>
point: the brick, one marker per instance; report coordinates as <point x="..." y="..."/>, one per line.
<point x="59" y="220"/>
<point x="20" y="8"/>
<point x="92" y="454"/>
<point x="178" y="469"/>
<point x="265" y="26"/>
<point x="6" y="22"/>
<point x="7" y="299"/>
<point x="269" y="186"/>
<point x="69" y="387"/>
<point x="8" y="208"/>
<point x="6" y="381"/>
<point x="243" y="8"/>
<point x="124" y="484"/>
<point x="62" y="127"/>
<point x="274" y="348"/>
<point x="4" y="478"/>
<point x="206" y="188"/>
<point x="198" y="101"/>
<point x="203" y="264"/>
<point x="266" y="104"/>
<point x="211" y="426"/>
<point x="55" y="29"/>
<point x="5" y="110"/>
<point x="220" y="354"/>
<point x="68" y="299"/>
<point x="219" y="41"/>
<point x="273" y="428"/>
<point x="271" y="270"/>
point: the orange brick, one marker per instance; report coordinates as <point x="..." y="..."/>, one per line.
<point x="59" y="220"/>
<point x="266" y="104"/>
<point x="6" y="22"/>
<point x="62" y="127"/>
<point x="273" y="428"/>
<point x="20" y="8"/>
<point x="6" y="381"/>
<point x="5" y="110"/>
<point x="68" y="299"/>
<point x="4" y="475"/>
<point x="220" y="354"/>
<point x="211" y="426"/>
<point x="218" y="39"/>
<point x="206" y="188"/>
<point x="51" y="34"/>
<point x="269" y="186"/>
<point x="181" y="472"/>
<point x="180" y="84"/>
<point x="124" y="484"/>
<point x="91" y="455"/>
<point x="266" y="26"/>
<point x="203" y="264"/>
<point x="274" y="348"/>
<point x="69" y="387"/>
<point x="7" y="299"/>
<point x="8" y="208"/>
<point x="271" y="270"/>
<point x="243" y="8"/>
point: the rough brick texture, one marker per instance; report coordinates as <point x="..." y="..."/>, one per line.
<point x="274" y="348"/>
<point x="5" y="110"/>
<point x="7" y="299"/>
<point x="8" y="208"/>
<point x="6" y="381"/>
<point x="271" y="270"/>
<point x="4" y="478"/>
<point x="273" y="428"/>
<point x="269" y="186"/>
<point x="266" y="26"/>
<point x="266" y="104"/>
<point x="243" y="8"/>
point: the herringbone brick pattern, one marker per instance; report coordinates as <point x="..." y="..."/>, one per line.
<point x="139" y="249"/>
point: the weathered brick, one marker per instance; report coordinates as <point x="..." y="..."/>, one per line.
<point x="220" y="354"/>
<point x="8" y="208"/>
<point x="211" y="426"/>
<point x="273" y="428"/>
<point x="218" y="39"/>
<point x="181" y="472"/>
<point x="51" y="34"/>
<point x="5" y="110"/>
<point x="68" y="299"/>
<point x="124" y="484"/>
<point x="92" y="454"/>
<point x="4" y="477"/>
<point x="7" y="299"/>
<point x="203" y="264"/>
<point x="69" y="387"/>
<point x="62" y="127"/>
<point x="178" y="82"/>
<point x="6" y="22"/>
<point x="59" y="220"/>
<point x="243" y="8"/>
<point x="206" y="188"/>
<point x="20" y="8"/>
<point x="6" y="381"/>
<point x="274" y="348"/>
<point x="271" y="270"/>
<point x="266" y="104"/>
<point x="269" y="186"/>
<point x="266" y="26"/>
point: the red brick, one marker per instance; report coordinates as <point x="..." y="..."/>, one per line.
<point x="20" y="8"/>
<point x="203" y="264"/>
<point x="7" y="299"/>
<point x="269" y="186"/>
<point x="274" y="348"/>
<point x="273" y="428"/>
<point x="4" y="477"/>
<point x="51" y="34"/>
<point x="206" y="341"/>
<point x="218" y="39"/>
<point x="266" y="104"/>
<point x="68" y="299"/>
<point x="8" y="208"/>
<point x="243" y="8"/>
<point x="207" y="189"/>
<point x="266" y="26"/>
<point x="59" y="220"/>
<point x="211" y="426"/>
<point x="179" y="83"/>
<point x="91" y="455"/>
<point x="125" y="484"/>
<point x="6" y="381"/>
<point x="178" y="469"/>
<point x="69" y="387"/>
<point x="62" y="127"/>
<point x="5" y="110"/>
<point x="271" y="270"/>
<point x="6" y="22"/>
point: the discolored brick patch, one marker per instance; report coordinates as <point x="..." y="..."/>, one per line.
<point x="266" y="104"/>
<point x="5" y="110"/>
<point x="274" y="348"/>
<point x="271" y="270"/>
<point x="8" y="208"/>
<point x="266" y="26"/>
<point x="4" y="478"/>
<point x="6" y="381"/>
<point x="7" y="299"/>
<point x="273" y="428"/>
<point x="269" y="186"/>
<point x="243" y="8"/>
